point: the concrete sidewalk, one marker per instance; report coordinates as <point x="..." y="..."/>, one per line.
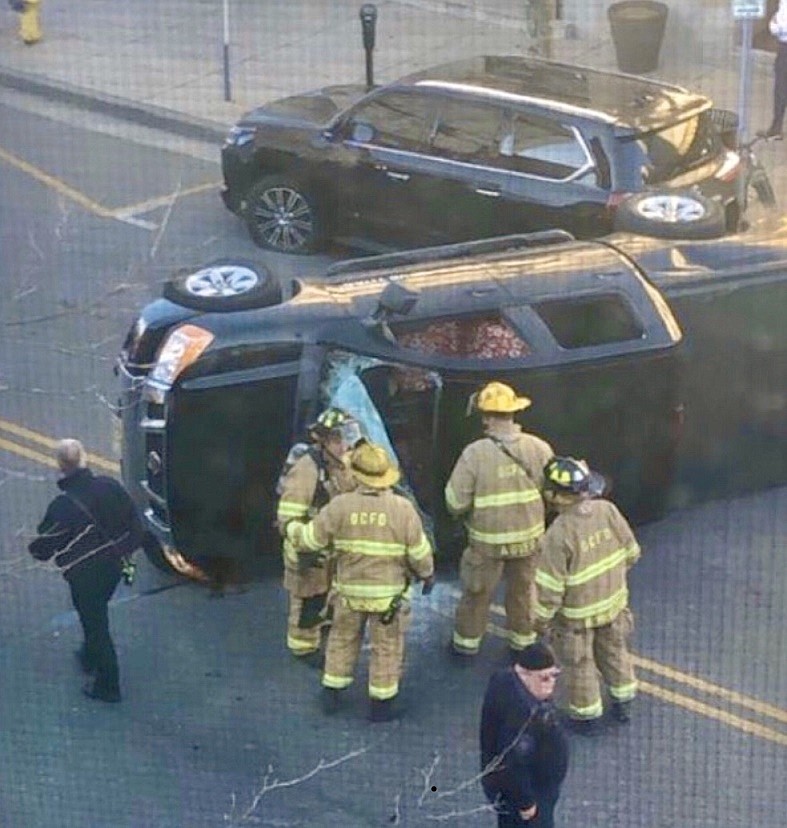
<point x="159" y="62"/>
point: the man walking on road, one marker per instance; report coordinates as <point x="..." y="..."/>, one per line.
<point x="496" y="486"/>
<point x="91" y="529"/>
<point x="379" y="543"/>
<point x="524" y="752"/>
<point x="581" y="582"/>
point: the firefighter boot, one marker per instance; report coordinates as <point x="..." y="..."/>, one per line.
<point x="590" y="728"/>
<point x="330" y="700"/>
<point x="620" y="712"/>
<point x="385" y="711"/>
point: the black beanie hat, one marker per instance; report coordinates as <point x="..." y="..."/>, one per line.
<point x="535" y="657"/>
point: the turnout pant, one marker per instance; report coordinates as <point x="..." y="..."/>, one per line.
<point x="583" y="653"/>
<point x="780" y="87"/>
<point x="29" y="23"/>
<point x="92" y="585"/>
<point x="300" y="585"/>
<point x="480" y="572"/>
<point x="387" y="649"/>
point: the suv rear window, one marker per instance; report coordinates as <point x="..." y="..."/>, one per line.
<point x="670" y="151"/>
<point x="594" y="320"/>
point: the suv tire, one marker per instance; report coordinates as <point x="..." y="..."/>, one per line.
<point x="224" y="285"/>
<point x="282" y="216"/>
<point x="671" y="215"/>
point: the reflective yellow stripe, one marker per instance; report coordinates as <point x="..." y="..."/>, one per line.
<point x="367" y="547"/>
<point x="470" y="645"/>
<point x="632" y="551"/>
<point x="598" y="568"/>
<point x="623" y="692"/>
<point x="543" y="612"/>
<point x="292" y="509"/>
<point x="502" y="538"/>
<point x="592" y="711"/>
<point x="383" y="693"/>
<point x="369" y="590"/>
<point x="421" y="550"/>
<point x="308" y="541"/>
<point x="506" y="498"/>
<point x="519" y="641"/>
<point x="616" y="601"/>
<point x="301" y="647"/>
<point x="336" y="682"/>
<point x="452" y="499"/>
<point x="544" y="579"/>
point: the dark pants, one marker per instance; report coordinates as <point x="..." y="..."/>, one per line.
<point x="92" y="586"/>
<point x="780" y="87"/>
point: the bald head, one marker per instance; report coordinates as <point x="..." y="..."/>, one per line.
<point x="70" y="455"/>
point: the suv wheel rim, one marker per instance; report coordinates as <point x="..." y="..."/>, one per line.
<point x="674" y="209"/>
<point x="227" y="280"/>
<point x="283" y="218"/>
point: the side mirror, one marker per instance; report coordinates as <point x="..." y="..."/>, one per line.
<point x="395" y="300"/>
<point x="362" y="132"/>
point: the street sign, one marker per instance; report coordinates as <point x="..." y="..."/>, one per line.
<point x="748" y="9"/>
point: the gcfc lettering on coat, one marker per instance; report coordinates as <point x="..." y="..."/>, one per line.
<point x="368" y="518"/>
<point x="509" y="470"/>
<point x="592" y="541"/>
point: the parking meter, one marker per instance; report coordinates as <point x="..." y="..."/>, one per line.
<point x="368" y="15"/>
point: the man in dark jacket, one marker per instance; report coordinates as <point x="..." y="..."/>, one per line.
<point x="524" y="752"/>
<point x="90" y="529"/>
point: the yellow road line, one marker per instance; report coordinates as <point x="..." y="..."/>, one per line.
<point x="56" y="184"/>
<point x="162" y="201"/>
<point x="122" y="213"/>
<point x="713" y="713"/>
<point x="49" y="442"/>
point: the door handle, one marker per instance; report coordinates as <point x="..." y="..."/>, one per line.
<point x="397" y="176"/>
<point x="490" y="193"/>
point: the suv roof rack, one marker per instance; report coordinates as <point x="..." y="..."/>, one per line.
<point x="448" y="251"/>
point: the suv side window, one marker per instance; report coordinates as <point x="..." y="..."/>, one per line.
<point x="541" y="147"/>
<point x="590" y="320"/>
<point x="398" y="120"/>
<point x="465" y="131"/>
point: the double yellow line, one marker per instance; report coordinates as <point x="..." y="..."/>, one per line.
<point x="688" y="683"/>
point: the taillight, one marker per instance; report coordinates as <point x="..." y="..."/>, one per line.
<point x="730" y="168"/>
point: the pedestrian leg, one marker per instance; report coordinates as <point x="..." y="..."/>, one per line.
<point x="29" y="24"/>
<point x="612" y="655"/>
<point x="519" y="575"/>
<point x="344" y="644"/>
<point x="387" y="655"/>
<point x="303" y="641"/>
<point x="479" y="573"/>
<point x="574" y="648"/>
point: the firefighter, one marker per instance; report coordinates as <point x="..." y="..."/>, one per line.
<point x="496" y="487"/>
<point x="312" y="475"/>
<point x="29" y="20"/>
<point x="379" y="542"/>
<point x="582" y="592"/>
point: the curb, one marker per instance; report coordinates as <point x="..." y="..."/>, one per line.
<point x="155" y="117"/>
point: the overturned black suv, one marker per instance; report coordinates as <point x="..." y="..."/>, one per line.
<point x="662" y="363"/>
<point x="481" y="147"/>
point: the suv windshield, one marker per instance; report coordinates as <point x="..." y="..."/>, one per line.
<point x="668" y="152"/>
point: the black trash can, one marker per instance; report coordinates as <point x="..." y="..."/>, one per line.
<point x="637" y="31"/>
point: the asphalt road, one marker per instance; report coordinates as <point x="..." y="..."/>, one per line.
<point x="218" y="725"/>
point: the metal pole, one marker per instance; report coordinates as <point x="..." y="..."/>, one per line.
<point x="744" y="94"/>
<point x="227" y="87"/>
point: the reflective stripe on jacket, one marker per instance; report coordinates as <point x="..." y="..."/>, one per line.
<point x="585" y="555"/>
<point x="299" y="491"/>
<point x="500" y="499"/>
<point x="377" y="537"/>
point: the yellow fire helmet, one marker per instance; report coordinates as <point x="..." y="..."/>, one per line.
<point x="372" y="466"/>
<point x="498" y="398"/>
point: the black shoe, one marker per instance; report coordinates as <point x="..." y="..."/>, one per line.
<point x="315" y="660"/>
<point x="93" y="692"/>
<point x="459" y="655"/>
<point x="621" y="712"/>
<point x="331" y="700"/>
<point x="385" y="711"/>
<point x="589" y="728"/>
<point x="84" y="663"/>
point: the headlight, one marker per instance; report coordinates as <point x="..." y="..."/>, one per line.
<point x="239" y="136"/>
<point x="180" y="349"/>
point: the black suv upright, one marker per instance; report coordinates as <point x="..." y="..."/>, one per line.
<point x="481" y="147"/>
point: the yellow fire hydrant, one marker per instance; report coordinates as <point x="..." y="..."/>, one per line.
<point x="29" y="21"/>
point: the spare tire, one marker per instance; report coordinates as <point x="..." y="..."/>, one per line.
<point x="224" y="285"/>
<point x="671" y="215"/>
